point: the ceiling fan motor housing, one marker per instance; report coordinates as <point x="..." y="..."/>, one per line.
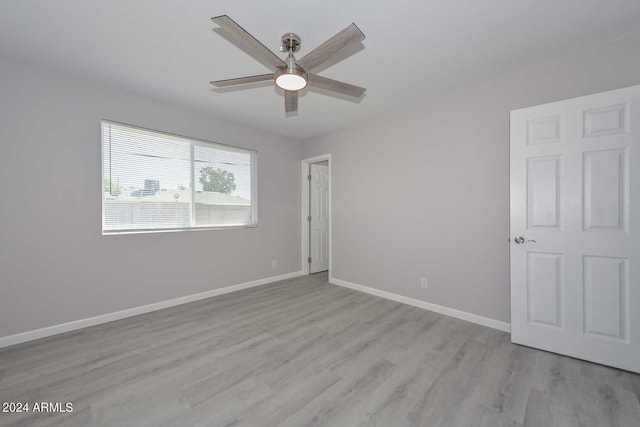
<point x="292" y="76"/>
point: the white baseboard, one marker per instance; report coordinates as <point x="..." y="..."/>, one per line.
<point x="469" y="317"/>
<point x="110" y="317"/>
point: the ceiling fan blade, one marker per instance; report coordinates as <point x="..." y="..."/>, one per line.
<point x="290" y="101"/>
<point x="335" y="85"/>
<point x="248" y="43"/>
<point x="326" y="50"/>
<point x="243" y="80"/>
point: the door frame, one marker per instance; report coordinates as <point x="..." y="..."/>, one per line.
<point x="304" y="247"/>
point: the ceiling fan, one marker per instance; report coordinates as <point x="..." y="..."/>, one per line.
<point x="291" y="75"/>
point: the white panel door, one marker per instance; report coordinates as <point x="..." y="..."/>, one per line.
<point x="319" y="214"/>
<point x="575" y="214"/>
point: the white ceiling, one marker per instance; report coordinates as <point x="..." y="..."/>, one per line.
<point x="414" y="49"/>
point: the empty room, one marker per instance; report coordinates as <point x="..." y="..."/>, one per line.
<point x="354" y="213"/>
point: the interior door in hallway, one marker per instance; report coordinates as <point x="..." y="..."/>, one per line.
<point x="319" y="217"/>
<point x="575" y="214"/>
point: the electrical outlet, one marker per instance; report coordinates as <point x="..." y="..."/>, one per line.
<point x="274" y="263"/>
<point x="424" y="283"/>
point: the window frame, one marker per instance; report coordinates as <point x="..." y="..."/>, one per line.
<point x="193" y="142"/>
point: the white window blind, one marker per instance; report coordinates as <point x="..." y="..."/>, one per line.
<point x="154" y="181"/>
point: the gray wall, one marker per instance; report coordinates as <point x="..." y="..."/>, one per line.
<point x="56" y="267"/>
<point x="425" y="192"/>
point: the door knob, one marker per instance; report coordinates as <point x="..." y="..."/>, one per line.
<point x="519" y="240"/>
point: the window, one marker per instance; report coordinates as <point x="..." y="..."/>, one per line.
<point x="154" y="181"/>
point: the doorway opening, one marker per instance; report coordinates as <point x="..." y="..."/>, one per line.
<point x="316" y="215"/>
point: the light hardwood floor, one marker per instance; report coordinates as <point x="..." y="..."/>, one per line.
<point x="302" y="352"/>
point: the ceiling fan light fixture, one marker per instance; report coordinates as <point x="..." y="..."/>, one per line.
<point x="291" y="79"/>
